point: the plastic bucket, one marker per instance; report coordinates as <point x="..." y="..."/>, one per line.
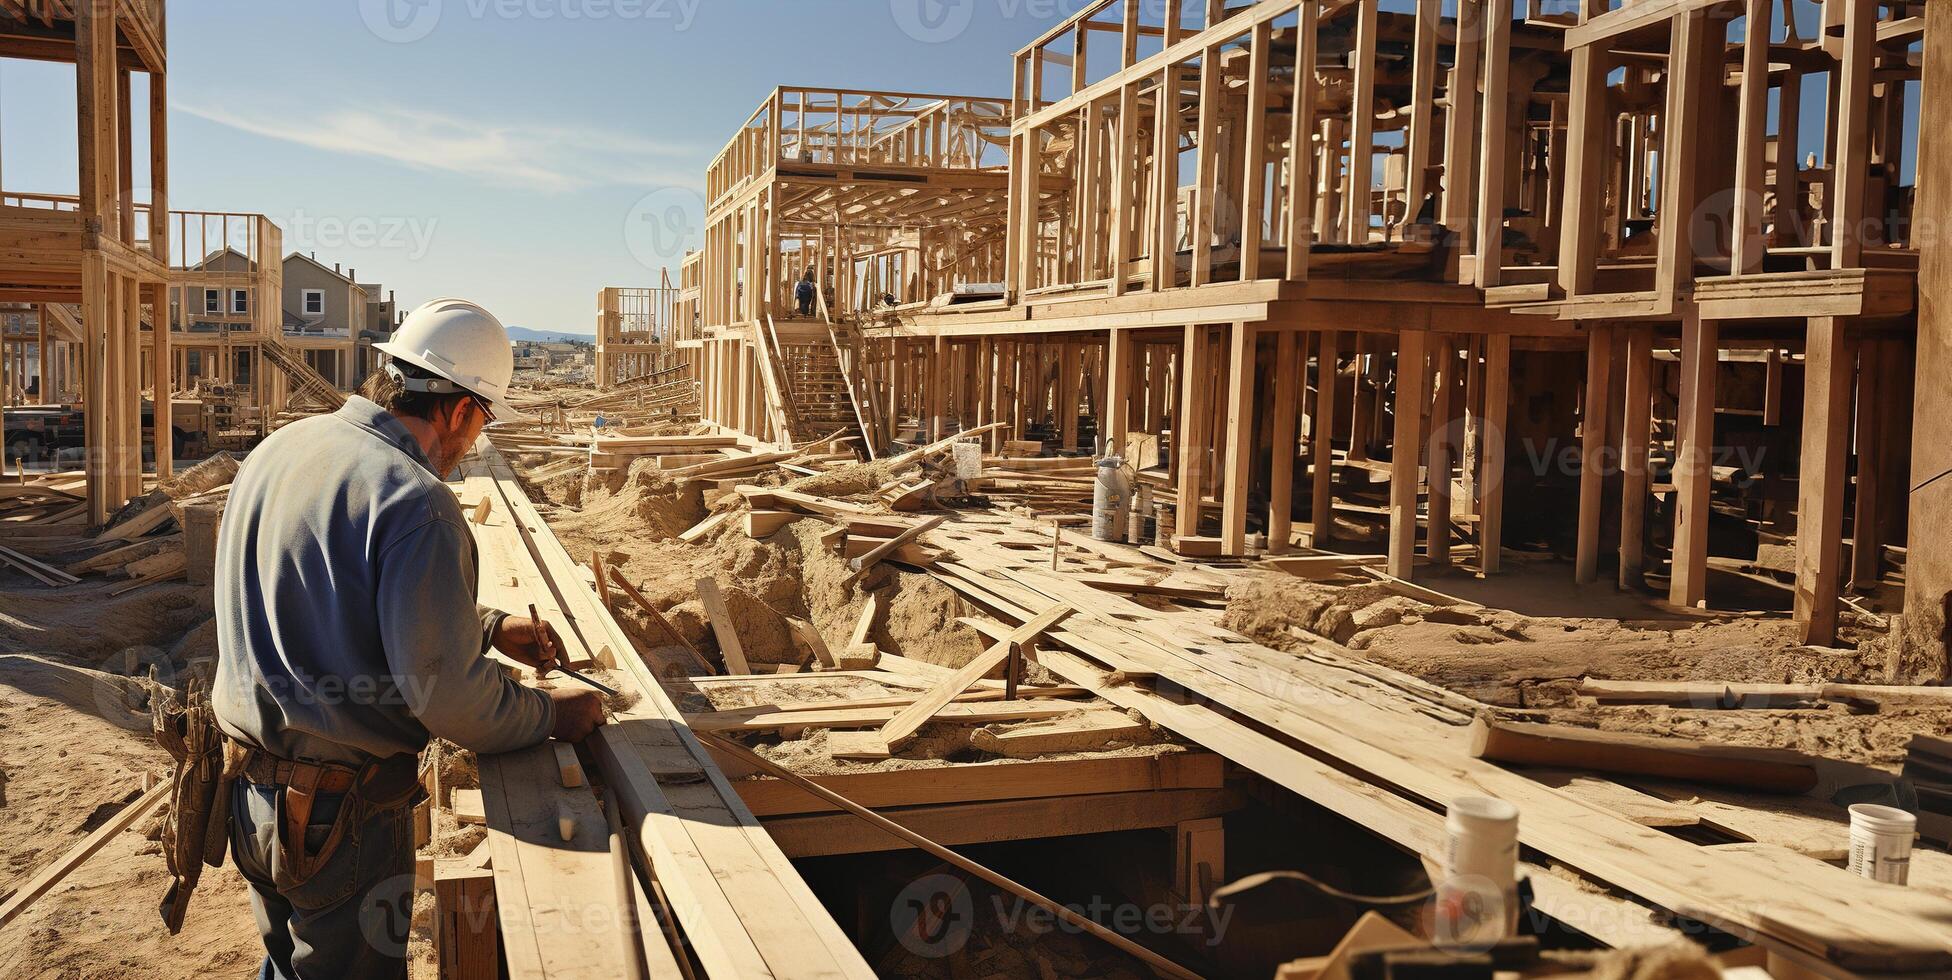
<point x="1880" y="842"/>
<point x="1477" y="902"/>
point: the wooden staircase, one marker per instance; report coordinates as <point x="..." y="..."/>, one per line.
<point x="822" y="401"/>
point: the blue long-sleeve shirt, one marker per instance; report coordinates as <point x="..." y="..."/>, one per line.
<point x="347" y="627"/>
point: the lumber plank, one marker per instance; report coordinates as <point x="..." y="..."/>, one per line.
<point x="721" y="620"/>
<point x="904" y="724"/>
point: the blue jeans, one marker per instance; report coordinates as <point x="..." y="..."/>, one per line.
<point x="352" y="918"/>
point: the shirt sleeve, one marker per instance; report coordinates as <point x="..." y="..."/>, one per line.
<point x="491" y="620"/>
<point x="432" y="632"/>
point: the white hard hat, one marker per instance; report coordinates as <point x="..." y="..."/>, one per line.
<point x="461" y="342"/>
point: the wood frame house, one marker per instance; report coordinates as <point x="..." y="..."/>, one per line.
<point x="1338" y="323"/>
<point x="99" y="249"/>
<point x="641" y="333"/>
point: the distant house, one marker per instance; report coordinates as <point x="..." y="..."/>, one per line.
<point x="326" y="311"/>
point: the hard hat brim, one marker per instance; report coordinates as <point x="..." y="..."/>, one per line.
<point x="500" y="405"/>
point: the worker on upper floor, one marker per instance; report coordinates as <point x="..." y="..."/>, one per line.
<point x="804" y="292"/>
<point x="348" y="635"/>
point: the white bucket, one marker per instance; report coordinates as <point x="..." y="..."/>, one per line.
<point x="1880" y="842"/>
<point x="1477" y="902"/>
<point x="1109" y="500"/>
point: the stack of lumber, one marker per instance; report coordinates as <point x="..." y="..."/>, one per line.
<point x="1928" y="764"/>
<point x="1389" y="751"/>
<point x="723" y="892"/>
<point x="615" y="452"/>
<point x="42" y="502"/>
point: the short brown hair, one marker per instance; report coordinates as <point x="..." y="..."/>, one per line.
<point x="383" y="389"/>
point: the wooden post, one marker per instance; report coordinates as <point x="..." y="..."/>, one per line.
<point x="1241" y="382"/>
<point x="1412" y="388"/>
<point x="1118" y="390"/>
<point x="1289" y="368"/>
<point x="1207" y="165"/>
<point x="1592" y="451"/>
<point x="1491" y="482"/>
<point x="1190" y="428"/>
<point x="1321" y="450"/>
<point x="1746" y="228"/>
<point x="1639" y="420"/>
<point x="1820" y="482"/>
<point x="1696" y="49"/>
<point x="1492" y="163"/>
<point x="1865" y="540"/>
<point x="1362" y="123"/>
<point x="1254" y="175"/>
<point x="1301" y="145"/>
<point x="1442" y="447"/>
<point x="1693" y="479"/>
<point x="1850" y="179"/>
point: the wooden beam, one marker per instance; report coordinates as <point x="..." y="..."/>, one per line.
<point x="1746" y="242"/>
<point x="1362" y="124"/>
<point x="1242" y="377"/>
<point x="1493" y="162"/>
<point x="1592" y="451"/>
<point x="1850" y="180"/>
<point x="1301" y="145"/>
<point x="1412" y="387"/>
<point x="1693" y="470"/>
<point x="1634" y="461"/>
<point x="1321" y="438"/>
<point x="1827" y="365"/>
<point x="1491" y="454"/>
<point x="721" y="620"/>
<point x="1290" y="369"/>
<point x="1190" y="436"/>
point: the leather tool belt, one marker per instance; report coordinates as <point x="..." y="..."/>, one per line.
<point x="373" y="787"/>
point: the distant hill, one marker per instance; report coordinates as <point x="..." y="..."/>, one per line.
<point x="548" y="336"/>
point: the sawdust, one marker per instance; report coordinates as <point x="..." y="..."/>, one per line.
<point x="931" y="748"/>
<point x="852" y="480"/>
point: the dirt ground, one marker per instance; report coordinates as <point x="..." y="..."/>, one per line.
<point x="1537" y="660"/>
<point x="78" y="744"/>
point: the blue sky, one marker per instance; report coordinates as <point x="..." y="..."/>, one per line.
<point x="493" y="148"/>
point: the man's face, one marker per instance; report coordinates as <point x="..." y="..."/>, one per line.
<point x="458" y="427"/>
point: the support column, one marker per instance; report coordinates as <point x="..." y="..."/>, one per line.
<point x="1592" y="451"/>
<point x="1189" y="428"/>
<point x="1412" y="388"/>
<point x="1290" y="366"/>
<point x="1695" y="432"/>
<point x="1118" y="390"/>
<point x="1241" y="384"/>
<point x="1321" y="438"/>
<point x="1865" y="541"/>
<point x="1827" y="368"/>
<point x="1639" y="420"/>
<point x="1491" y="482"/>
<point x="1443" y="414"/>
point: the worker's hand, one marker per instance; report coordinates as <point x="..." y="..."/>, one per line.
<point x="517" y="637"/>
<point x="578" y="712"/>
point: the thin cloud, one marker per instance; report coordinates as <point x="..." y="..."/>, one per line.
<point x="546" y="158"/>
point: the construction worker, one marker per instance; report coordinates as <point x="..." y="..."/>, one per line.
<point x="348" y="634"/>
<point x="804" y="292"/>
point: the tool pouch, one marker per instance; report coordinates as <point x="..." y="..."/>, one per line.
<point x="196" y="822"/>
<point x="375" y="787"/>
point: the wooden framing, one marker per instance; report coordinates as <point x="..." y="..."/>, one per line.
<point x="1177" y="190"/>
<point x="91" y="250"/>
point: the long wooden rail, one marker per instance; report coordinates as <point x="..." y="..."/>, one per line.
<point x="740" y="904"/>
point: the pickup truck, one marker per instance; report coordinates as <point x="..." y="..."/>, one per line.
<point x="36" y="432"/>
